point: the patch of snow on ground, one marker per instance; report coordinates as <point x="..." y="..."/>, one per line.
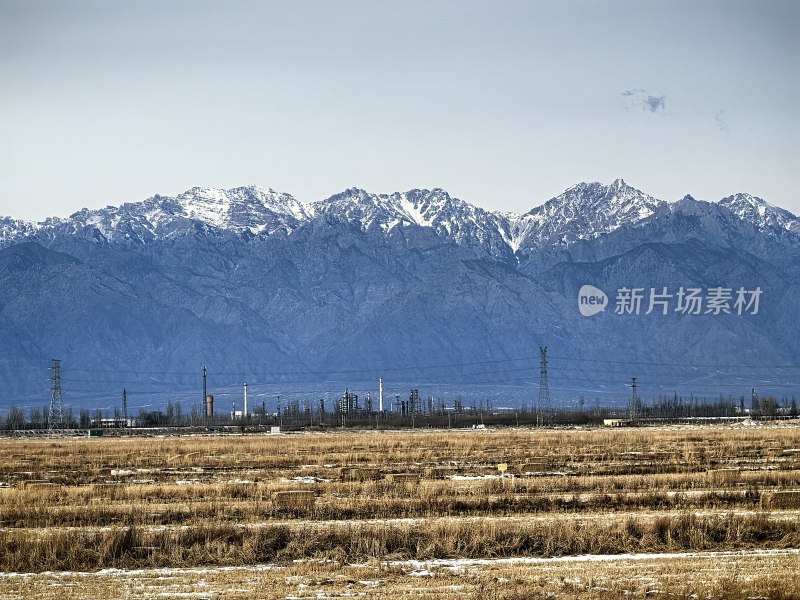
<point x="420" y="565"/>
<point x="302" y="479"/>
<point x="420" y="573"/>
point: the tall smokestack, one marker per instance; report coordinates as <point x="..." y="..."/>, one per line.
<point x="244" y="412"/>
<point x="380" y="395"/>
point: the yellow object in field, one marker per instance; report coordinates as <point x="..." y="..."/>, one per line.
<point x="502" y="467"/>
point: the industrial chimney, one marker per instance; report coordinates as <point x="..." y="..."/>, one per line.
<point x="209" y="406"/>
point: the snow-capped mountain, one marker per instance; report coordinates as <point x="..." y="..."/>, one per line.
<point x="13" y="229"/>
<point x="252" y="281"/>
<point x="251" y="209"/>
<point x="584" y="211"/>
<point x="451" y="218"/>
<point x="761" y="213"/>
<point x="687" y="220"/>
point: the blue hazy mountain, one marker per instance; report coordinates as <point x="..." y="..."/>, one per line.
<point x="415" y="287"/>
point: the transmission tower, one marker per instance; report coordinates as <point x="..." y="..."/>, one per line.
<point x="205" y="389"/>
<point x="55" y="419"/>
<point x="545" y="405"/>
<point x="635" y="405"/>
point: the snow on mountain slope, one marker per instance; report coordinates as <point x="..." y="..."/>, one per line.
<point x="584" y="211"/>
<point x="13" y="229"/>
<point x="427" y="208"/>
<point x="761" y="213"/>
<point x="361" y="208"/>
<point x="250" y="209"/>
<point x="449" y="217"/>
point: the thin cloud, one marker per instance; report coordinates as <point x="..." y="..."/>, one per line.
<point x="655" y="103"/>
<point x="720" y="120"/>
<point x="633" y="92"/>
<point x="640" y="98"/>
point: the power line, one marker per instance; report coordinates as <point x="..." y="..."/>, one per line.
<point x="518" y="381"/>
<point x="312" y="372"/>
<point x="665" y="364"/>
<point x="562" y="370"/>
<point x="621" y="381"/>
<point x="369" y="370"/>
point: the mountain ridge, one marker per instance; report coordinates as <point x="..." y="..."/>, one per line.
<point x="259" y="286"/>
<point x="583" y="211"/>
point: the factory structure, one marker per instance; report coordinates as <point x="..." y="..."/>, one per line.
<point x="350" y="408"/>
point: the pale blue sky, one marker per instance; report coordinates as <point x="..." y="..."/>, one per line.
<point x="504" y="104"/>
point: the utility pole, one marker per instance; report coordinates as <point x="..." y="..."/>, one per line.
<point x="244" y="411"/>
<point x="545" y="406"/>
<point x="380" y="396"/>
<point x="125" y="406"/>
<point x="55" y="419"/>
<point x="205" y="395"/>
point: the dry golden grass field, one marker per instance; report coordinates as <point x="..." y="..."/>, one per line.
<point x="683" y="512"/>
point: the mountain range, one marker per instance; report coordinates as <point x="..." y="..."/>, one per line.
<point x="417" y="287"/>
